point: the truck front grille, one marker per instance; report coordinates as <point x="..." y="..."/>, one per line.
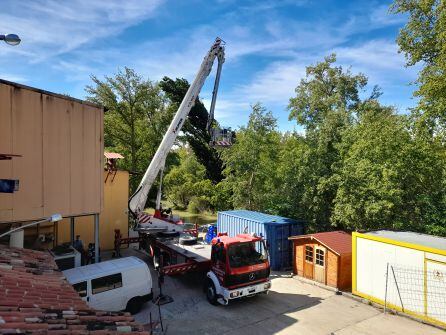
<point x="247" y="278"/>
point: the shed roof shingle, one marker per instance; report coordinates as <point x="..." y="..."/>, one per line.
<point x="339" y="242"/>
<point x="35" y="298"/>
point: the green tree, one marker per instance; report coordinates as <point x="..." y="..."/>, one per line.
<point x="387" y="178"/>
<point x="292" y="173"/>
<point x="135" y="119"/>
<point x="325" y="90"/>
<point x="326" y="104"/>
<point x="422" y="40"/>
<point x="251" y="162"/>
<point x="187" y="180"/>
<point x="194" y="129"/>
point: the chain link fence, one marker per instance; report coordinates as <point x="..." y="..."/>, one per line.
<point x="418" y="290"/>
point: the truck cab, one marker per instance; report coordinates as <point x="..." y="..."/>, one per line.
<point x="239" y="268"/>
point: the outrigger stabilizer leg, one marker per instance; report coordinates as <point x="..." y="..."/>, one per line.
<point x="161" y="299"/>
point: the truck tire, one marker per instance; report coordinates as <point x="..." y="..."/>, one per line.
<point x="134" y="305"/>
<point x="168" y="234"/>
<point x="211" y="292"/>
<point x="187" y="240"/>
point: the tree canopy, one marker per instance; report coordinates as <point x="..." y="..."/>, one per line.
<point x="135" y="120"/>
<point x="196" y="134"/>
<point x="422" y="40"/>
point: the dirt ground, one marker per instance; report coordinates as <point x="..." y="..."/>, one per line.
<point x="291" y="307"/>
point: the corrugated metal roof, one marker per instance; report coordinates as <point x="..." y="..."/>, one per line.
<point x="411" y="237"/>
<point x="260" y="217"/>
<point x="113" y="155"/>
<point x="339" y="242"/>
<point x="58" y="95"/>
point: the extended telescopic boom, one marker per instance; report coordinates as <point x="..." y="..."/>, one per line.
<point x="138" y="199"/>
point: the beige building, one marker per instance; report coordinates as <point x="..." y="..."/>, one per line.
<point x="52" y="147"/>
<point x="114" y="216"/>
<point x="60" y="145"/>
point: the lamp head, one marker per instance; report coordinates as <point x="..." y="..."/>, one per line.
<point x="11" y="39"/>
<point x="55" y="218"/>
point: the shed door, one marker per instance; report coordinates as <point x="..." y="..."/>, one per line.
<point x="319" y="264"/>
<point x="436" y="289"/>
<point x="308" y="261"/>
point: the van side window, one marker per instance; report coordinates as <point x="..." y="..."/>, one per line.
<point x="106" y="283"/>
<point x="81" y="288"/>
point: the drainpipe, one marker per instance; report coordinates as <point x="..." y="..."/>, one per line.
<point x="96" y="238"/>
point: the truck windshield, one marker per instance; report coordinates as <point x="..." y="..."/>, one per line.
<point x="245" y="254"/>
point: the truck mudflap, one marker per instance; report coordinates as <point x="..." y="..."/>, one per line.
<point x="247" y="291"/>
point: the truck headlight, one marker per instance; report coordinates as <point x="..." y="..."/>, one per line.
<point x="234" y="294"/>
<point x="267" y="286"/>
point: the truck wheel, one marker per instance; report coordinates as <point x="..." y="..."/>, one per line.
<point x="134" y="305"/>
<point x="211" y="293"/>
<point x="187" y="240"/>
<point x="168" y="234"/>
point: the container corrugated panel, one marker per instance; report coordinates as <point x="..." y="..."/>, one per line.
<point x="274" y="229"/>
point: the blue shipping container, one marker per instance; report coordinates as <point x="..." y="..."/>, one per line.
<point x="274" y="229"/>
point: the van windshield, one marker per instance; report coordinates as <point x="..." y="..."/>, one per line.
<point x="245" y="254"/>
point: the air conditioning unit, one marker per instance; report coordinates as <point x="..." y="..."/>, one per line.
<point x="66" y="257"/>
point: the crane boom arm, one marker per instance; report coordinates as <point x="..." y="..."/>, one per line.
<point x="138" y="199"/>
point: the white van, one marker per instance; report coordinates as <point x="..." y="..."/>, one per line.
<point x="115" y="285"/>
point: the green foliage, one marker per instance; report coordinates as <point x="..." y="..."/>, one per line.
<point x="325" y="89"/>
<point x="326" y="104"/>
<point x="251" y="161"/>
<point x="196" y="134"/>
<point x="183" y="181"/>
<point x="388" y="178"/>
<point x="135" y="119"/>
<point x="422" y="40"/>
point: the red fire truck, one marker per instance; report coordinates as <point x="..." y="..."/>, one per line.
<point x="232" y="267"/>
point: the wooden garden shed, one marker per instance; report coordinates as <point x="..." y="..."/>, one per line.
<point x="324" y="257"/>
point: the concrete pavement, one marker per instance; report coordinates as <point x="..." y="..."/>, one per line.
<point x="291" y="307"/>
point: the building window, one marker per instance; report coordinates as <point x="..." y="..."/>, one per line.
<point x="106" y="283"/>
<point x="320" y="257"/>
<point x="81" y="288"/>
<point x="309" y="253"/>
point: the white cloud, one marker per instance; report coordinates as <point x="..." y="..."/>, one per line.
<point x="50" y="27"/>
<point x="13" y="77"/>
<point x="69" y="38"/>
<point x="381" y="16"/>
<point x="229" y="109"/>
<point x="275" y="84"/>
<point x="379" y="60"/>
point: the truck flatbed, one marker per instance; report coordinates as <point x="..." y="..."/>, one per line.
<point x="184" y="258"/>
<point x="199" y="252"/>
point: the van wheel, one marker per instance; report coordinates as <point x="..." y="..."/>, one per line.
<point x="211" y="293"/>
<point x="134" y="305"/>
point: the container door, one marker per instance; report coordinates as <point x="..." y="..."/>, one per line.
<point x="308" y="262"/>
<point x="319" y="264"/>
<point x="436" y="289"/>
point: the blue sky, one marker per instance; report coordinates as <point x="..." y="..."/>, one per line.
<point x="269" y="43"/>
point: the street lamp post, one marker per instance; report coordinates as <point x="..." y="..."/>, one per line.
<point x="11" y="39"/>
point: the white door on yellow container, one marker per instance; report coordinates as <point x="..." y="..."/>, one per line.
<point x="436" y="290"/>
<point x="319" y="265"/>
